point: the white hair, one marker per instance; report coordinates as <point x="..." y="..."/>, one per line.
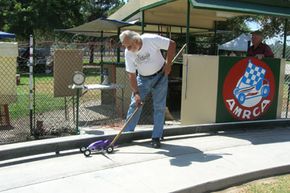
<point x="129" y="34"/>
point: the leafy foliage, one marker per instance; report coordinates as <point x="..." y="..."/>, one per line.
<point x="41" y="17"/>
<point x="271" y="26"/>
<point x="231" y="28"/>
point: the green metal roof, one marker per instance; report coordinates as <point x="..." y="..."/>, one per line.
<point x="265" y="7"/>
<point x="203" y="13"/>
<point x="276" y="3"/>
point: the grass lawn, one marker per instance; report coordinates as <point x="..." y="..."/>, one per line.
<point x="44" y="96"/>
<point x="278" y="184"/>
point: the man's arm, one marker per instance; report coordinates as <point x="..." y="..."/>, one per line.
<point x="170" y="55"/>
<point x="134" y="87"/>
<point x="133" y="82"/>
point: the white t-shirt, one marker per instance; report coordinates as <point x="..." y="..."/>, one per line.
<point x="148" y="60"/>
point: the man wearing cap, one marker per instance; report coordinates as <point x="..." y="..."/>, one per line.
<point x="259" y="49"/>
<point x="143" y="54"/>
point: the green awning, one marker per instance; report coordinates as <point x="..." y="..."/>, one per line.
<point x="95" y="27"/>
<point x="203" y="12"/>
<point x="265" y="7"/>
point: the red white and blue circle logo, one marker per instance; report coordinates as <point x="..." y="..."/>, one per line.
<point x="249" y="89"/>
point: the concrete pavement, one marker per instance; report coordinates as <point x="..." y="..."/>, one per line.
<point x="200" y="162"/>
<point x="35" y="147"/>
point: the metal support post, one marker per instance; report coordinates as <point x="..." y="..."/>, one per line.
<point x="77" y="111"/>
<point x="288" y="98"/>
<point x="31" y="84"/>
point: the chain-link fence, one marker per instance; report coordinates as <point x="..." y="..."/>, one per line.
<point x="286" y="92"/>
<point x="277" y="47"/>
<point x="98" y="106"/>
<point x="54" y="103"/>
<point x="14" y="113"/>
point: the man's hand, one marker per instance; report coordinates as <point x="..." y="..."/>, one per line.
<point x="134" y="86"/>
<point x="137" y="99"/>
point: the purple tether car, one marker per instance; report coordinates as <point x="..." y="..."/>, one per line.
<point x="98" y="146"/>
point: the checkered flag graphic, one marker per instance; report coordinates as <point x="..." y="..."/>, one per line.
<point x="253" y="74"/>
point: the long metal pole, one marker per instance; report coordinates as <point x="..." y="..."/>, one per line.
<point x="285" y="37"/>
<point x="187" y="25"/>
<point x="215" y="39"/>
<point x="288" y="98"/>
<point x="143" y="21"/>
<point x="118" y="48"/>
<point x="102" y="46"/>
<point x="102" y="50"/>
<point x="31" y="83"/>
<point x="187" y="43"/>
<point x="77" y="111"/>
<point x="284" y="56"/>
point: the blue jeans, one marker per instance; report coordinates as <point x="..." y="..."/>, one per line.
<point x="159" y="93"/>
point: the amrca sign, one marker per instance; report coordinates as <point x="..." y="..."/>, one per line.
<point x="247" y="114"/>
<point x="248" y="89"/>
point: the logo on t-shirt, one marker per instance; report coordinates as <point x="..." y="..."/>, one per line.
<point x="248" y="89"/>
<point x="142" y="58"/>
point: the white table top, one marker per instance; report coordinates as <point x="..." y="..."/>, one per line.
<point x="103" y="86"/>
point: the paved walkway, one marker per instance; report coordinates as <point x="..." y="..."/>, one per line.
<point x="191" y="163"/>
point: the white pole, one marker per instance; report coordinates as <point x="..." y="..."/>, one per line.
<point x="31" y="83"/>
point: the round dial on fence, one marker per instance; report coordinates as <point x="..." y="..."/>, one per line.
<point x="78" y="78"/>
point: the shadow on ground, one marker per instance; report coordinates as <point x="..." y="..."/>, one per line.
<point x="182" y="155"/>
<point x="261" y="136"/>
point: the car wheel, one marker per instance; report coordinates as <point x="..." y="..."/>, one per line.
<point x="110" y="149"/>
<point x="83" y="149"/>
<point x="241" y="98"/>
<point x="87" y="152"/>
<point x="265" y="91"/>
<point x="236" y="91"/>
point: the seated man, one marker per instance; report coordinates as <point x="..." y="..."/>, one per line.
<point x="258" y="48"/>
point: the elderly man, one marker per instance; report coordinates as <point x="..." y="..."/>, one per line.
<point x="148" y="72"/>
<point x="258" y="48"/>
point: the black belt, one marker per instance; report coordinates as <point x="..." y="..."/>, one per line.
<point x="152" y="75"/>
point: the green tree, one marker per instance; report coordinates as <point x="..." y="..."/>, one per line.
<point x="6" y="8"/>
<point x="271" y="26"/>
<point x="101" y="8"/>
<point x="231" y="28"/>
<point x="41" y="17"/>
